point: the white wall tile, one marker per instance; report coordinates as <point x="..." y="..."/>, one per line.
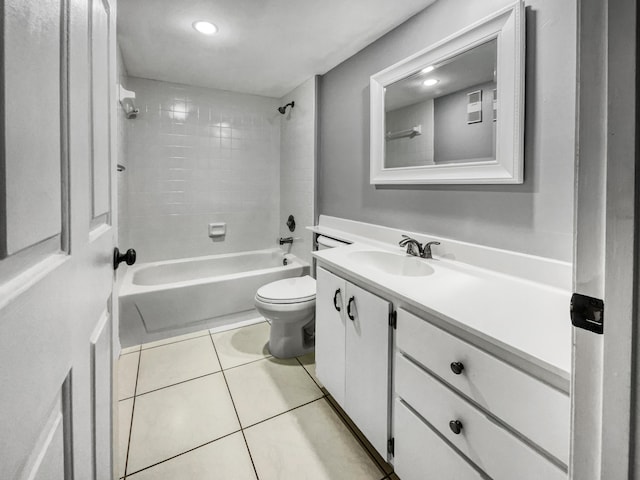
<point x="195" y="156"/>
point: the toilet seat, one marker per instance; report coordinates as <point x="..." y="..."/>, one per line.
<point x="288" y="291"/>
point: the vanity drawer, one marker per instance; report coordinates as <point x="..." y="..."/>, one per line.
<point x="421" y="454"/>
<point x="533" y="408"/>
<point x="493" y="449"/>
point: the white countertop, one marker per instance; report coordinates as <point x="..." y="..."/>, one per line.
<point x="526" y="319"/>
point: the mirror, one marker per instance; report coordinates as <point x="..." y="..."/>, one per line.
<point x="436" y="118"/>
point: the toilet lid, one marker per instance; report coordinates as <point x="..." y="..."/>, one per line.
<point x="289" y="290"/>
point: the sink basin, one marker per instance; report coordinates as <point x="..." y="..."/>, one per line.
<point x="392" y="264"/>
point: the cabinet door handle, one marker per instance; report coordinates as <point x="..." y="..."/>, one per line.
<point x="335" y="300"/>
<point x="351" y="300"/>
<point x="457" y="367"/>
<point x="455" y="426"/>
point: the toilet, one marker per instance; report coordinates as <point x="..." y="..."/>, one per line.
<point x="290" y="307"/>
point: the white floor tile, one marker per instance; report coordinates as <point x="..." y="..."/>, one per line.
<point x="309" y="363"/>
<point x="178" y="418"/>
<point x="127" y="373"/>
<point x="179" y="338"/>
<point x="310" y="442"/>
<point x="242" y="345"/>
<point x="226" y="458"/>
<point x="125" y="409"/>
<point x="268" y="387"/>
<point x="176" y="362"/>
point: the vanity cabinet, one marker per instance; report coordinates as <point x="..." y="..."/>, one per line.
<point x="352" y="353"/>
<point x="477" y="404"/>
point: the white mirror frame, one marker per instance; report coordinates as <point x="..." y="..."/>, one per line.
<point x="508" y="27"/>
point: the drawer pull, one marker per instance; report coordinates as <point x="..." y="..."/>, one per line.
<point x="335" y="300"/>
<point x="455" y="426"/>
<point x="351" y="300"/>
<point x="457" y="367"/>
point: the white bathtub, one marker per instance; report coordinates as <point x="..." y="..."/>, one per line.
<point x="162" y="299"/>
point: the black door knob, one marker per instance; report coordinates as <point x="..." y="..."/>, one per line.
<point x="457" y="367"/>
<point x="455" y="426"/>
<point x="129" y="257"/>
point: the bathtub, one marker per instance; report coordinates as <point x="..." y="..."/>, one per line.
<point x="161" y="299"/>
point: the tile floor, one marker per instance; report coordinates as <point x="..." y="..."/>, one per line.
<point x="217" y="405"/>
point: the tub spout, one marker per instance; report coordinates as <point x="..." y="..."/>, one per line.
<point x="284" y="240"/>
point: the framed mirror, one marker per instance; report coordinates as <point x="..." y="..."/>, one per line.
<point x="453" y="113"/>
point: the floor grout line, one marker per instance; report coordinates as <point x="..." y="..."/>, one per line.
<point x="183" y="453"/>
<point x="255" y="471"/>
<point x="243" y="364"/>
<point x="177" y="383"/>
<point x="324" y="395"/>
<point x="309" y="373"/>
<point x="282" y="413"/>
<point x="133" y="409"/>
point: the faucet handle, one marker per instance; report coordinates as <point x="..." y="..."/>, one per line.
<point x="426" y="251"/>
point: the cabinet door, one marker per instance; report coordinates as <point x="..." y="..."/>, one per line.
<point x="330" y="333"/>
<point x="367" y="364"/>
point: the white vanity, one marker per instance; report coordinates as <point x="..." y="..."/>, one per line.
<point x="455" y="367"/>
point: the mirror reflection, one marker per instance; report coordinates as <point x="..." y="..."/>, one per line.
<point x="445" y="113"/>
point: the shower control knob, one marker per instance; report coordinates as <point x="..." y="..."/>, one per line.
<point x="129" y="257"/>
<point x="457" y="367"/>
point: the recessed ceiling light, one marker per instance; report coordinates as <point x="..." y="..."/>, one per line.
<point x="428" y="69"/>
<point x="430" y="82"/>
<point x="206" y="28"/>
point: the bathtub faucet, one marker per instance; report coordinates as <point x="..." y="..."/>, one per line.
<point x="284" y="240"/>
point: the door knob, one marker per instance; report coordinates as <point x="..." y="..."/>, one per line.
<point x="129" y="257"/>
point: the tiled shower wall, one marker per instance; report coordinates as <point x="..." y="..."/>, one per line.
<point x="297" y="167"/>
<point x="195" y="156"/>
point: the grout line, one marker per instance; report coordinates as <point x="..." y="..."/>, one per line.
<point x="183" y="453"/>
<point x="309" y="373"/>
<point x="347" y="423"/>
<point x="282" y="413"/>
<point x="178" y="383"/>
<point x="249" y="362"/>
<point x="255" y="471"/>
<point x="133" y="409"/>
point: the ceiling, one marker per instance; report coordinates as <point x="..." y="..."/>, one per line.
<point x="263" y="47"/>
<point x="471" y="68"/>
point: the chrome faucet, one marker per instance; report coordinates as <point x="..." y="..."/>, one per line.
<point x="282" y="240"/>
<point x="415" y="248"/>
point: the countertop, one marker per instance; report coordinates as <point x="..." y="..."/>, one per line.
<point x="524" y="322"/>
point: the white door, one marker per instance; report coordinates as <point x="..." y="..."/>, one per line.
<point x="367" y="364"/>
<point x="604" y="385"/>
<point x="57" y="235"/>
<point x="330" y="333"/>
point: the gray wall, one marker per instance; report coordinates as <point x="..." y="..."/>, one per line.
<point x="536" y="217"/>
<point x="453" y="138"/>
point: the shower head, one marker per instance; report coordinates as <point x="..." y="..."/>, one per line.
<point x="282" y="110"/>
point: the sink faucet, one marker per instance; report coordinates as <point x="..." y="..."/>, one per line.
<point x="415" y="248"/>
